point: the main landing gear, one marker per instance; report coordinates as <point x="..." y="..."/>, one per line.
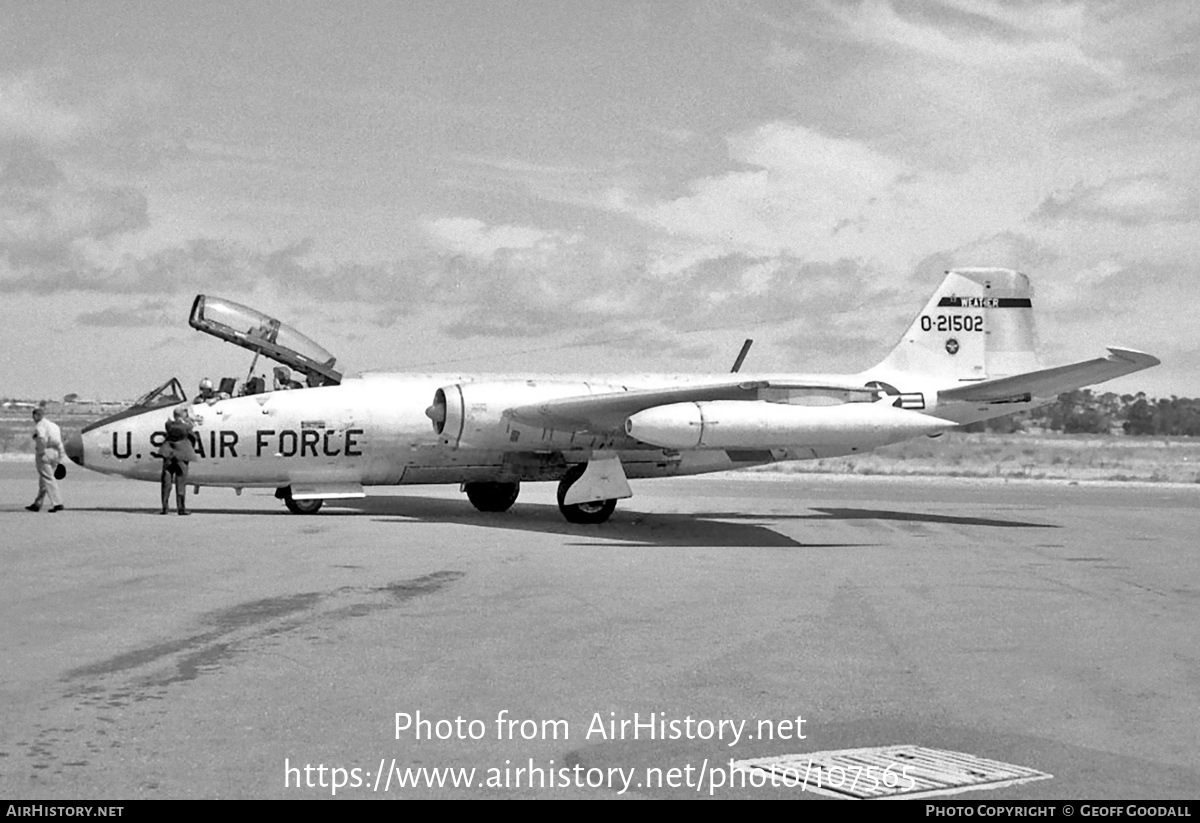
<point x="298" y="506"/>
<point x="595" y="512"/>
<point x="493" y="497"/>
<point x="499" y="497"/>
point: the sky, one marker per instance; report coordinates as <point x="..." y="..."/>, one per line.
<point x="578" y="187"/>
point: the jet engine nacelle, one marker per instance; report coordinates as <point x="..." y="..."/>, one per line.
<point x="471" y="415"/>
<point x="747" y="424"/>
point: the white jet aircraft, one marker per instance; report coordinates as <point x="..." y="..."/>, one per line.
<point x="968" y="356"/>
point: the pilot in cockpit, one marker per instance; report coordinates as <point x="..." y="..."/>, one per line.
<point x="205" y="393"/>
<point x="283" y="379"/>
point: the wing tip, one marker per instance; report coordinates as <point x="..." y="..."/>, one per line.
<point x="1140" y="359"/>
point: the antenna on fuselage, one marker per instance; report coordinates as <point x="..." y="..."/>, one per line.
<point x="737" y="364"/>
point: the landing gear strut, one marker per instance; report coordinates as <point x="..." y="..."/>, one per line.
<point x="595" y="512"/>
<point x="298" y="506"/>
<point x="493" y="497"/>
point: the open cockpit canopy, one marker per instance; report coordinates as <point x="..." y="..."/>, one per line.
<point x="255" y="331"/>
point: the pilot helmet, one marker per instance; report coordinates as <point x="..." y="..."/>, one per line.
<point x="206" y="385"/>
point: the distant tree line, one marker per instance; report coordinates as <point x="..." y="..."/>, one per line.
<point x="1082" y="412"/>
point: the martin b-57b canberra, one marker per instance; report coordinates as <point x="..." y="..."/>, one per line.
<point x="968" y="356"/>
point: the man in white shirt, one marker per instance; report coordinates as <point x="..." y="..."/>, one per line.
<point x="48" y="445"/>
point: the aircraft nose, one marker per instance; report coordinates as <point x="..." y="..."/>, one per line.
<point x="74" y="447"/>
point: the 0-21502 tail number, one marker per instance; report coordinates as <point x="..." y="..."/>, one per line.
<point x="952" y="322"/>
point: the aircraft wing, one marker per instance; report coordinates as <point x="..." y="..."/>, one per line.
<point x="607" y="412"/>
<point x="1051" y="382"/>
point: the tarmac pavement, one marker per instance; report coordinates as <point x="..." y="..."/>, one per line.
<point x="1052" y="626"/>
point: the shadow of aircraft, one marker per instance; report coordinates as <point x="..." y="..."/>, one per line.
<point x="919" y="517"/>
<point x="695" y="529"/>
<point x="883" y="514"/>
<point x="635" y="528"/>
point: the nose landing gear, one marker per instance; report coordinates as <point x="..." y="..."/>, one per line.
<point x="298" y="506"/>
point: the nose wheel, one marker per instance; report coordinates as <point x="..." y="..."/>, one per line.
<point x="298" y="506"/>
<point x="594" y="512"/>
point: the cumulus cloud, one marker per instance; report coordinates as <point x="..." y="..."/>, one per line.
<point x="28" y="111"/>
<point x="28" y="169"/>
<point x="797" y="191"/>
<point x="42" y="215"/>
<point x="833" y="311"/>
<point x="146" y="314"/>
<point x="954" y="83"/>
<point x="54" y="206"/>
<point x="1007" y="249"/>
<point x="802" y="184"/>
<point x="573" y="286"/>
<point x="981" y="36"/>
<point x="1136" y="200"/>
<point x="474" y="238"/>
<point x="108" y="120"/>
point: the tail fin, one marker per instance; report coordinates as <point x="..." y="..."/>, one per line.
<point x="977" y="326"/>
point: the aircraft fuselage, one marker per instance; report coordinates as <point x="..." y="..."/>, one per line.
<point x="375" y="430"/>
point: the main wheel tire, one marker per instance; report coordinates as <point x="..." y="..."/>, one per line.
<point x="298" y="506"/>
<point x="595" y="512"/>
<point x="493" y="497"/>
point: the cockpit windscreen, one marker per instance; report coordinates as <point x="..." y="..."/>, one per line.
<point x="168" y="394"/>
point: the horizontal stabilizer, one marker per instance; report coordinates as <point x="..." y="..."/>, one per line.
<point x="1055" y="381"/>
<point x="607" y="412"/>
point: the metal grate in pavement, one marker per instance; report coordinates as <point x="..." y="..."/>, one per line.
<point x="888" y="772"/>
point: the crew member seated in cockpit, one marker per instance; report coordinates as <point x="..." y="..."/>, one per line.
<point x="206" y="393"/>
<point x="209" y="395"/>
<point x="283" y="379"/>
